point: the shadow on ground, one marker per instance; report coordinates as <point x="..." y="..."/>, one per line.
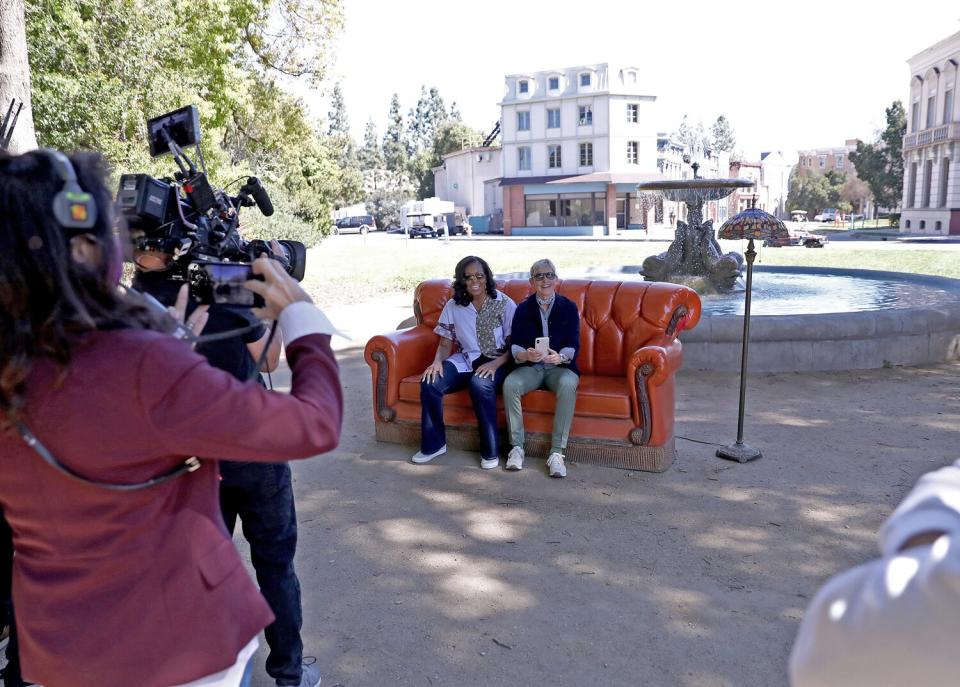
<point x="444" y="574"/>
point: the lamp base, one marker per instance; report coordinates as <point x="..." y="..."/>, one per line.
<point x="739" y="452"/>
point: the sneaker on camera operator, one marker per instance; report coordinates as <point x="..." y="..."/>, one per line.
<point x="259" y="494"/>
<point x="124" y="573"/>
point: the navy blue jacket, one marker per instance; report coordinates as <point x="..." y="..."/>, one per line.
<point x="563" y="322"/>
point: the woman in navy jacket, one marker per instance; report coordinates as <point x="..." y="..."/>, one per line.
<point x="545" y="313"/>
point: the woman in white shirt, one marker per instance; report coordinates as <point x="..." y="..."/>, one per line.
<point x="474" y="349"/>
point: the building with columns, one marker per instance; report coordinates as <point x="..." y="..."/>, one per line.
<point x="931" y="147"/>
<point x="576" y="142"/>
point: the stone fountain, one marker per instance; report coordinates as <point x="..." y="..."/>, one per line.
<point x="694" y="258"/>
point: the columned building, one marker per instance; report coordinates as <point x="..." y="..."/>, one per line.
<point x="576" y="142"/>
<point x="931" y="148"/>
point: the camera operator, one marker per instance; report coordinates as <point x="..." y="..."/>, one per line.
<point x="260" y="494"/>
<point x="124" y="573"/>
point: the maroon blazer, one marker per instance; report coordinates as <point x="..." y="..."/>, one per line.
<point x="114" y="589"/>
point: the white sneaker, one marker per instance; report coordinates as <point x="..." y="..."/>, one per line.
<point x="556" y="466"/>
<point x="515" y="459"/>
<point x="490" y="463"/>
<point x="421" y="457"/>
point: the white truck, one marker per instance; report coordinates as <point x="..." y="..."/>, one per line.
<point x="432" y="217"/>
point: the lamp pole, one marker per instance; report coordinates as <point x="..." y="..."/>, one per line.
<point x="740" y="451"/>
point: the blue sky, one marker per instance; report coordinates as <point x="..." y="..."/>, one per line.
<point x="787" y="75"/>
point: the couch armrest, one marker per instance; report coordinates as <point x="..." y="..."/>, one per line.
<point x="392" y="357"/>
<point x="650" y="374"/>
<point x="671" y="307"/>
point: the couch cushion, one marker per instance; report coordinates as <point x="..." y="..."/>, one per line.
<point x="596" y="397"/>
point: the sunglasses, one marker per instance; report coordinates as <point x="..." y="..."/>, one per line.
<point x="540" y="276"/>
<point x="475" y="277"/>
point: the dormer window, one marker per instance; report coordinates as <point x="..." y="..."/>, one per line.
<point x="524" y="86"/>
<point x="553" y="83"/>
<point x="585" y="79"/>
<point x="631" y="77"/>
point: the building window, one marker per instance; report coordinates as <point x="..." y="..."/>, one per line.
<point x="554" y="83"/>
<point x="839" y="161"/>
<point x="633" y="113"/>
<point x="586" y="115"/>
<point x="553" y="118"/>
<point x="523" y="158"/>
<point x="585" y="79"/>
<point x="948" y="106"/>
<point x="823" y="162"/>
<point x="923" y="224"/>
<point x="586" y="155"/>
<point x="523" y="121"/>
<point x="915" y="117"/>
<point x="912" y="187"/>
<point x="908" y="224"/>
<point x="566" y="210"/>
<point x="524" y="86"/>
<point x="633" y="153"/>
<point x="927" y="173"/>
<point x="938" y="226"/>
<point x="931" y="110"/>
<point x="554" y="160"/>
<point x="944" y="177"/>
<point x="631" y="77"/>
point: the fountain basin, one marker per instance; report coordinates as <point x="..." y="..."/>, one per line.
<point x="841" y="319"/>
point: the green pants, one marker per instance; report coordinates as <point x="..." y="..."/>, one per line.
<point x="561" y="381"/>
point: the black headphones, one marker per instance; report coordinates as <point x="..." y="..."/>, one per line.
<point x="73" y="207"/>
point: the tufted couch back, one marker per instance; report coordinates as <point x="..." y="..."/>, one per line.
<point x="616" y="317"/>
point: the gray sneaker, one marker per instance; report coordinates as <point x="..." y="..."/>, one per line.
<point x="515" y="459"/>
<point x="310" y="677"/>
<point x="555" y="465"/>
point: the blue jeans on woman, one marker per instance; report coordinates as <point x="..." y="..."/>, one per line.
<point x="483" y="391"/>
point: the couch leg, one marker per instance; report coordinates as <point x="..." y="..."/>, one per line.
<point x="641" y="435"/>
<point x="385" y="413"/>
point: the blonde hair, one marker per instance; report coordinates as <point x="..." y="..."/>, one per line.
<point x="542" y="264"/>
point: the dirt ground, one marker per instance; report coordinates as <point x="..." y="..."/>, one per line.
<point x="444" y="574"/>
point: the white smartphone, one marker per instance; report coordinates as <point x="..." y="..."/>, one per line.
<point x="542" y="345"/>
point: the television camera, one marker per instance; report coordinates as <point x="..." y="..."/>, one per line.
<point x="190" y="229"/>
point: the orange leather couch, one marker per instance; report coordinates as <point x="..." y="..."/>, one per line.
<point x="629" y="353"/>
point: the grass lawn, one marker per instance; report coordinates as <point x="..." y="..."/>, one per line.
<point x="349" y="269"/>
<point x="936" y="262"/>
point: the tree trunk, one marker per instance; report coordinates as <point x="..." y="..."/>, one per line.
<point x="15" y="74"/>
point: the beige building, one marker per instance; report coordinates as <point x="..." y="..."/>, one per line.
<point x="931" y="184"/>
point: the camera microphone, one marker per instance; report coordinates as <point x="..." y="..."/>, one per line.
<point x="255" y="189"/>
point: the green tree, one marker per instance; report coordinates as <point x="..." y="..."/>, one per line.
<point x="338" y="124"/>
<point x="419" y="126"/>
<point x="394" y="140"/>
<point x="693" y="137"/>
<point x="371" y="154"/>
<point x="812" y="191"/>
<point x="721" y="135"/>
<point x="880" y="164"/>
<point x="102" y="67"/>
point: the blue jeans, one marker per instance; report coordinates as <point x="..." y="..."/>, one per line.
<point x="261" y="495"/>
<point x="433" y="433"/>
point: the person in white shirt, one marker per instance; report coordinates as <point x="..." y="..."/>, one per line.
<point x="894" y="620"/>
<point x="474" y="350"/>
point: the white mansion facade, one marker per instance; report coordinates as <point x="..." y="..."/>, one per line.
<point x="931" y="147"/>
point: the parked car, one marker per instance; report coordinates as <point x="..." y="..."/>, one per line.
<point x="828" y="215"/>
<point x="798" y="237"/>
<point x="798" y="216"/>
<point x="360" y="224"/>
